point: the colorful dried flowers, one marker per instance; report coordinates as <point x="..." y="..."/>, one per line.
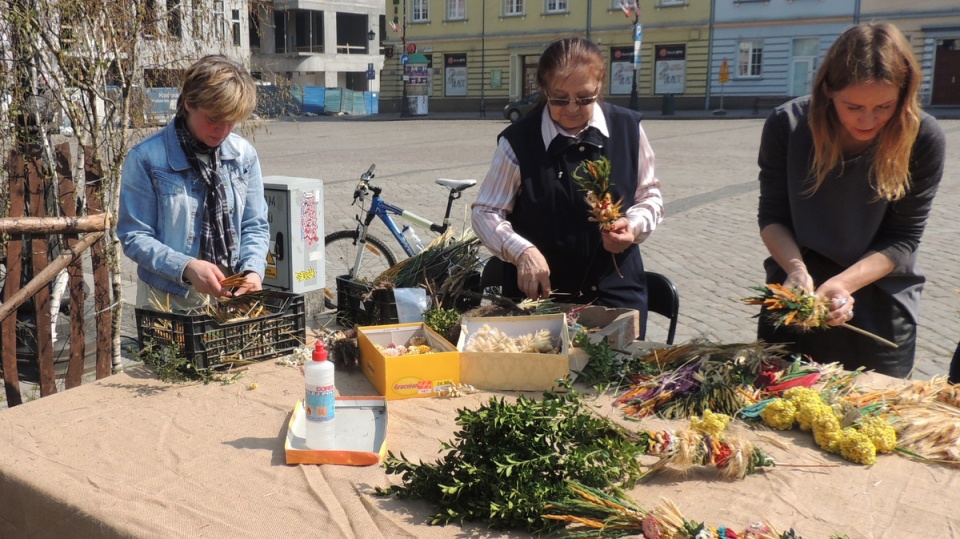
<point x="596" y="182"/>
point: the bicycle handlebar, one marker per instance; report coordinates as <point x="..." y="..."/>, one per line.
<point x="361" y="190"/>
<point x="368" y="175"/>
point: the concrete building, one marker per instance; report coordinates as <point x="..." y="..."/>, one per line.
<point x="326" y="43"/>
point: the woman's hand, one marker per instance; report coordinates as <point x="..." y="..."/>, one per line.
<point x="799" y="278"/>
<point x="618" y="237"/>
<point x="251" y="283"/>
<point x="841" y="302"/>
<point x="205" y="277"/>
<point x="533" y="274"/>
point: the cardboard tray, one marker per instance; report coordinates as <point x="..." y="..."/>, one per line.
<point x="361" y="434"/>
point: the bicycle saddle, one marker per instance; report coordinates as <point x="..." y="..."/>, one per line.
<point x="456" y="185"/>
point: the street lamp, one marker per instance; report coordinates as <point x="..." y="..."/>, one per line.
<point x="404" y="111"/>
<point x="371" y="35"/>
<point x="637" y="31"/>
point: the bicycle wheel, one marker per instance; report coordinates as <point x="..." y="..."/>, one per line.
<point x="340" y="250"/>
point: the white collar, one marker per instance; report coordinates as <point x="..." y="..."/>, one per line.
<point x="549" y="129"/>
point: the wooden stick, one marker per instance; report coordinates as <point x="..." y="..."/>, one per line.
<point x="44" y="277"/>
<point x="866" y="333"/>
<point x="54" y="225"/>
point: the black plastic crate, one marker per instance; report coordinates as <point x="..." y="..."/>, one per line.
<point x="206" y="343"/>
<point x="359" y="305"/>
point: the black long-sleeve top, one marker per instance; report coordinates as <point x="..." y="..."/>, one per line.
<point x="844" y="219"/>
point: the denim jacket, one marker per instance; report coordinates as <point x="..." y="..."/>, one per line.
<point x="161" y="209"/>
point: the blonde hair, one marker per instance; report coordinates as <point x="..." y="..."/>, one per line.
<point x="564" y="56"/>
<point x="219" y="86"/>
<point x="868" y="53"/>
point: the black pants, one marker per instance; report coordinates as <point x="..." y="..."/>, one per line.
<point x="955" y="366"/>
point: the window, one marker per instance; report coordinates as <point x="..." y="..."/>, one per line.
<point x="149" y="18"/>
<point x="456" y="10"/>
<point x="235" y="26"/>
<point x="174" y="26"/>
<point x="420" y="11"/>
<point x="219" y="17"/>
<point x="667" y="3"/>
<point x="557" y="6"/>
<point x="750" y="59"/>
<point x="513" y="7"/>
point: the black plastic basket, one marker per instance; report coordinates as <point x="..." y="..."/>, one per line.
<point x="207" y="343"/>
<point x="359" y="305"/>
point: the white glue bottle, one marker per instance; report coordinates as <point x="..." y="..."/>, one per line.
<point x="320" y="400"/>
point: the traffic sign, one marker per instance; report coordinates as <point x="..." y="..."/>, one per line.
<point x="724" y="72"/>
<point x="404" y="58"/>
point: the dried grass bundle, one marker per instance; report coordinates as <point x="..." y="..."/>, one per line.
<point x="799" y="309"/>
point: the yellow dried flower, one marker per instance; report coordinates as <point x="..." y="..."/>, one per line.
<point x="826" y="429"/>
<point x="801" y="394"/>
<point x="711" y="425"/>
<point x="808" y="412"/>
<point x="880" y="432"/>
<point x="779" y="414"/>
<point x="856" y="446"/>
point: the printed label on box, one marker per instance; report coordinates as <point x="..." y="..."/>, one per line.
<point x="424" y="387"/>
<point x="412" y="386"/>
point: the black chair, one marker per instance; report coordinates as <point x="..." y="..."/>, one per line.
<point x="663" y="299"/>
<point x="492" y="273"/>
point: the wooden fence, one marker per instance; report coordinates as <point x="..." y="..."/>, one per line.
<point x="28" y="229"/>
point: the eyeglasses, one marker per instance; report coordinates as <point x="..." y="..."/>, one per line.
<point x="580" y="101"/>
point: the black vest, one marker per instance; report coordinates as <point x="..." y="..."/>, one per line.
<point x="550" y="211"/>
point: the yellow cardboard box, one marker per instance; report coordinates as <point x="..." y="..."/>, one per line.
<point x="407" y="376"/>
<point x="517" y="372"/>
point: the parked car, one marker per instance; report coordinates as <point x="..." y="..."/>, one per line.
<point x="518" y="109"/>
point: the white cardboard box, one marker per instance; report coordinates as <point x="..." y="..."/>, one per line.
<point x="515" y="372"/>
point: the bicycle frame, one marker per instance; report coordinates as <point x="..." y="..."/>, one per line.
<point x="383" y="209"/>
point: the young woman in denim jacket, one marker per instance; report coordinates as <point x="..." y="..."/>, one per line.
<point x="192" y="209"/>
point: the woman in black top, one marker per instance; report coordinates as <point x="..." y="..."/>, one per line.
<point x="847" y="179"/>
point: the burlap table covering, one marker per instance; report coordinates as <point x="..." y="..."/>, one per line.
<point x="130" y="456"/>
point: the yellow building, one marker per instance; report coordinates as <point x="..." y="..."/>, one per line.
<point x="477" y="55"/>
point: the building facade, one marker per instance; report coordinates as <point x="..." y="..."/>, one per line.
<point x="327" y="43"/>
<point x="480" y="54"/>
<point x="933" y="27"/>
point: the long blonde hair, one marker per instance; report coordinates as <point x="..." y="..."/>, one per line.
<point x="868" y="53"/>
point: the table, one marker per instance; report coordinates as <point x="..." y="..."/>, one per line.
<point x="131" y="456"/>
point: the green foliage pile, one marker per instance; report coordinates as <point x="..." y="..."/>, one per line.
<point x="509" y="459"/>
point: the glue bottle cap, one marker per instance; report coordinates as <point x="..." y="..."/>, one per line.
<point x="319" y="352"/>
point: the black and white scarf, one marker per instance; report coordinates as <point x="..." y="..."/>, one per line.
<point x="216" y="231"/>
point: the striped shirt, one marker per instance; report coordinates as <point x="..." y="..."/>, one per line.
<point x="502" y="183"/>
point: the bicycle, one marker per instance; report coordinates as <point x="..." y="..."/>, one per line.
<point x="360" y="255"/>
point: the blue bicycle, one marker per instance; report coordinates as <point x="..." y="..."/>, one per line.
<point x="362" y="256"/>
